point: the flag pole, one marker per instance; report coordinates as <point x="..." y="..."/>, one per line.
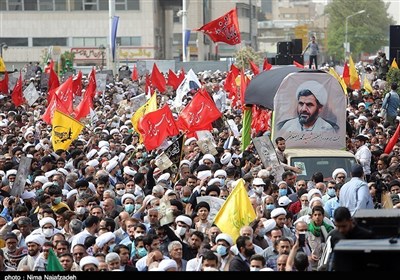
<point x="184" y="18"/>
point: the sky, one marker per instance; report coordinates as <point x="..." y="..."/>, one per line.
<point x="394" y="9"/>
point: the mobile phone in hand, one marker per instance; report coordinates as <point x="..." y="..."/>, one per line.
<point x="302" y="239"/>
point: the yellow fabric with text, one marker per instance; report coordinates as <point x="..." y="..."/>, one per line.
<point x="65" y="130"/>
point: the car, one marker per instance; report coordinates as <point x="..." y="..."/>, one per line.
<point x="323" y="160"/>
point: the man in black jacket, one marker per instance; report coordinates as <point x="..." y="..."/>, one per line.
<point x="241" y="262"/>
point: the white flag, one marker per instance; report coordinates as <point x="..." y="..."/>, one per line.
<point x="190" y="82"/>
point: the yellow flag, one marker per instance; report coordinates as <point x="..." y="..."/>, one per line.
<point x="354" y="79"/>
<point x="149" y="106"/>
<point x="65" y="130"/>
<point x="394" y="64"/>
<point x="236" y="212"/>
<point x="340" y="79"/>
<point x="2" y="65"/>
<point x="367" y="85"/>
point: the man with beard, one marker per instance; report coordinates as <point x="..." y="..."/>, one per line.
<point x="241" y="262"/>
<point x="311" y="97"/>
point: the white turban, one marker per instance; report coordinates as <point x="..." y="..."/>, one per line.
<point x="129" y="148"/>
<point x="190" y="140"/>
<point x="203" y="174"/>
<point x="88" y="260"/>
<point x="316" y="88"/>
<point x="46" y="185"/>
<point x="226" y="237"/>
<point x="50" y="173"/>
<point x="184" y="219"/>
<point x="103" y="143"/>
<point x="41" y="179"/>
<point x="47" y="220"/>
<point x="164" y="176"/>
<point x="111" y="165"/>
<point x="103" y="151"/>
<point x="104" y="238"/>
<point x="35" y="238"/>
<point x="337" y="171"/>
<point x="210" y="157"/>
<point x="121" y="157"/>
<point x="184" y="161"/>
<point x="167" y="264"/>
<point x="226" y="158"/>
<point x="127" y="195"/>
<point x="129" y="171"/>
<point x="91" y="153"/>
<point x="213" y="181"/>
<point x="269" y="225"/>
<point x="11" y="172"/>
<point x="220" y="172"/>
<point x="312" y="192"/>
<point x="314" y="199"/>
<point x="63" y="171"/>
<point x="277" y="212"/>
<point x="93" y="162"/>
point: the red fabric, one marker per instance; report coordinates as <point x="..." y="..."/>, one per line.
<point x="77" y="84"/>
<point x="53" y="80"/>
<point x="135" y="74"/>
<point x="393" y="140"/>
<point x="266" y="65"/>
<point x="260" y="119"/>
<point x="298" y="65"/>
<point x="55" y="103"/>
<point x="157" y="79"/>
<point x="156" y="126"/>
<point x="223" y="29"/>
<point x="147" y="88"/>
<point x="230" y="85"/>
<point x="49" y="67"/>
<point x="243" y="86"/>
<point x="64" y="93"/>
<point x="199" y="113"/>
<point x="83" y="109"/>
<point x="92" y="79"/>
<point x="16" y="95"/>
<point x="4" y="84"/>
<point x="346" y="74"/>
<point x="254" y="68"/>
<point x="173" y="80"/>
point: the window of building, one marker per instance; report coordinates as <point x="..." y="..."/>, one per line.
<point x="89" y="41"/>
<point x="90" y="5"/>
<point x="14" y="5"/>
<point x="30" y="5"/>
<point x="103" y="5"/>
<point x="176" y="18"/>
<point x="44" y="42"/>
<point x="177" y="38"/>
<point x="46" y="5"/>
<point x="120" y="5"/>
<point x="61" y="5"/>
<point x="135" y="41"/>
<point x="133" y="5"/>
<point x="76" y="5"/>
<point x="15" y="42"/>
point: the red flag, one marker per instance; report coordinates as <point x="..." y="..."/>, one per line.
<point x="55" y="103"/>
<point x="53" y="80"/>
<point x="243" y="86"/>
<point x="298" y="65"/>
<point x="147" y="87"/>
<point x="156" y="126"/>
<point x="64" y="93"/>
<point x="266" y="65"/>
<point x="182" y="74"/>
<point x="49" y="67"/>
<point x="254" y="68"/>
<point x="230" y="83"/>
<point x="393" y="140"/>
<point x="199" y="113"/>
<point x="223" y="29"/>
<point x="346" y="74"/>
<point x="135" y="74"/>
<point x="83" y="109"/>
<point x="173" y="80"/>
<point x="4" y="84"/>
<point x="16" y="95"/>
<point x="157" y="79"/>
<point x="77" y="84"/>
<point x="260" y="119"/>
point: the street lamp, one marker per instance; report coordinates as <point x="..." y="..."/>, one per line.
<point x="2" y="46"/>
<point x="345" y="36"/>
<point x="102" y="48"/>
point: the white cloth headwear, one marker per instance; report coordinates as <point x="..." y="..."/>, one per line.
<point x="127" y="195"/>
<point x="11" y="172"/>
<point x="226" y="237"/>
<point x="111" y="165"/>
<point x="316" y="88"/>
<point x="104" y="238"/>
<point x="210" y="157"/>
<point x="220" y="172"/>
<point x="184" y="219"/>
<point x="103" y="143"/>
<point x="190" y="140"/>
<point x="277" y="212"/>
<point x="312" y="192"/>
<point x="35" y="238"/>
<point x="47" y="220"/>
<point x="88" y="260"/>
<point x="129" y="171"/>
<point x="50" y="173"/>
<point x="164" y="176"/>
<point x="337" y="171"/>
<point x="167" y="264"/>
<point x="93" y="162"/>
<point x="269" y="225"/>
<point x="91" y="153"/>
<point x="203" y="174"/>
<point x="226" y="158"/>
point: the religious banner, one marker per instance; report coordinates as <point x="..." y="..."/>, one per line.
<point x="30" y="93"/>
<point x="18" y="186"/>
<point x="266" y="151"/>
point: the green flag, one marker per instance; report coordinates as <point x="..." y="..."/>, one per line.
<point x="53" y="264"/>
<point x="246" y="129"/>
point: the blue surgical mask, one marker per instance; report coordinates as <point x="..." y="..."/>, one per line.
<point x="129" y="208"/>
<point x="262" y="232"/>
<point x="137" y="206"/>
<point x="111" y="247"/>
<point x="222" y="181"/>
<point x="186" y="199"/>
<point x="282" y="192"/>
<point x="57" y="200"/>
<point x="221" y="249"/>
<point x="269" y="207"/>
<point x="141" y="252"/>
<point x="331" y="192"/>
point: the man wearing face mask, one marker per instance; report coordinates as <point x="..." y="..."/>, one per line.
<point x="258" y="186"/>
<point x="55" y="193"/>
<point x="47" y="228"/>
<point x="224" y="243"/>
<point x="105" y="243"/>
<point x="119" y="191"/>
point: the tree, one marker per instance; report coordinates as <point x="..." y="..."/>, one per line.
<point x="67" y="61"/>
<point x="366" y="32"/>
<point x="244" y="55"/>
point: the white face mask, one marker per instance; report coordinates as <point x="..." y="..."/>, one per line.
<point x="39" y="216"/>
<point x="180" y="230"/>
<point x="80" y="210"/>
<point x="48" y="232"/>
<point x="254" y="269"/>
<point x="259" y="190"/>
<point x="138" y="234"/>
<point x="121" y="192"/>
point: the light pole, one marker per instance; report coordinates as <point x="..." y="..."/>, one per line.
<point x="345" y="36"/>
<point x="102" y="48"/>
<point x="2" y="46"/>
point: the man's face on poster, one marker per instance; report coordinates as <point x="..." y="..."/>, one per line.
<point x="308" y="110"/>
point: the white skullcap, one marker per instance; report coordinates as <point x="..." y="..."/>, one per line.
<point x="93" y="162"/>
<point x="91" y="153"/>
<point x="213" y="181"/>
<point x="103" y="143"/>
<point x="92" y="187"/>
<point x="47" y="220"/>
<point x="129" y="171"/>
<point x="361" y="104"/>
<point x="148" y="198"/>
<point x="63" y="171"/>
<point x="88" y="260"/>
<point x="314" y="199"/>
<point x="277" y="212"/>
<point x="258" y="182"/>
<point x="11" y="172"/>
<point x="71" y="193"/>
<point x="184" y="161"/>
<point x="127" y="195"/>
<point x="203" y="174"/>
<point x="364" y="118"/>
<point x="282" y="182"/>
<point x="337" y="171"/>
<point x="226" y="237"/>
<point x="312" y="192"/>
<point x="167" y="264"/>
<point x="114" y="131"/>
<point x="41" y="179"/>
<point x="112" y="256"/>
<point x="316" y="88"/>
<point x="28" y="132"/>
<point x="269" y="225"/>
<point x="220" y="172"/>
<point x="164" y="176"/>
<point x="129" y="148"/>
<point x="35" y="238"/>
<point x="190" y="140"/>
<point x="50" y="173"/>
<point x="111" y="165"/>
<point x="123" y="127"/>
<point x="184" y="219"/>
<point x="103" y="151"/>
<point x="46" y="185"/>
<point x="209" y="157"/>
<point x="28" y="195"/>
<point x="170" y="192"/>
<point x="284" y="201"/>
<point x="226" y="158"/>
<point x="104" y="238"/>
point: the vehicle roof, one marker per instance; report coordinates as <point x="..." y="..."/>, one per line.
<point x="318" y="152"/>
<point x="368" y="245"/>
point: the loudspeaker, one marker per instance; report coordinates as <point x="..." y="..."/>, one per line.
<point x="297" y="46"/>
<point x="284" y="48"/>
<point x="283" y="59"/>
<point x="394" y="43"/>
<point x="384" y="223"/>
<point x="298" y="58"/>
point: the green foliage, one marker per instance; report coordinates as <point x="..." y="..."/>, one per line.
<point x="244" y="55"/>
<point x="67" y="61"/>
<point x="366" y="32"/>
<point x="393" y="75"/>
